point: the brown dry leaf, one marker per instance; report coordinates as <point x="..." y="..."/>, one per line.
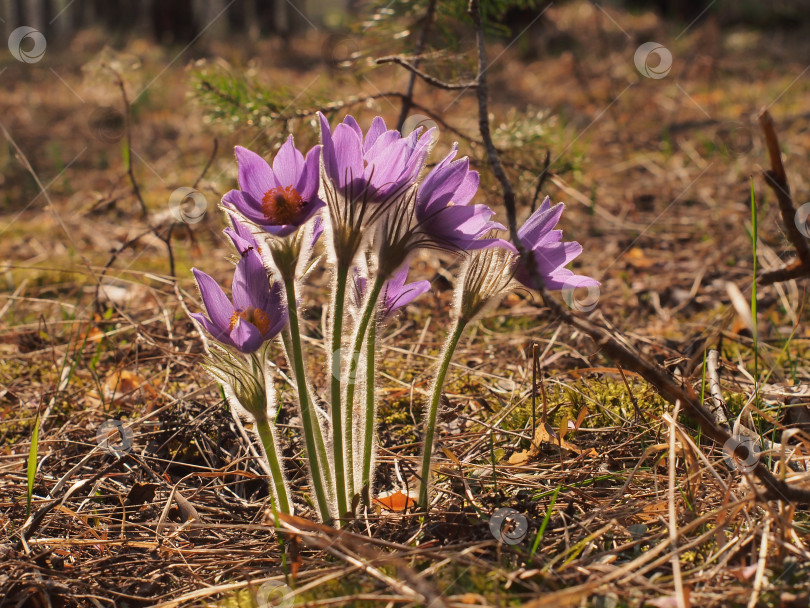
<point x="563" y="426"/>
<point x="580" y="418"/>
<point x="744" y="573"/>
<point x="124" y="385"/>
<point x="546" y="434"/>
<point x="140" y="493"/>
<point x="471" y="599"/>
<point x="652" y="512"/>
<point x="396" y="501"/>
<point x="637" y="258"/>
<point x="187" y="510"/>
<point x="123" y="382"/>
<point x="670" y="601"/>
<point x="451" y="456"/>
<point x="521" y="458"/>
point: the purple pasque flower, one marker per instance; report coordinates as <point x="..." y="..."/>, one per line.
<point x="374" y="167"/>
<point x="550" y="254"/>
<point x="395" y="293"/>
<point x="278" y="199"/>
<point x="442" y="210"/>
<point x="258" y="310"/>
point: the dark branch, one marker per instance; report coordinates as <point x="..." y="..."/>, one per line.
<point x="431" y="80"/>
<point x="407" y="101"/>
<point x="776" y="178"/>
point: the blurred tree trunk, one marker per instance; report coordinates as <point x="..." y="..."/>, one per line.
<point x="173" y="22"/>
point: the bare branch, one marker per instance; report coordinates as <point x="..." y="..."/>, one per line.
<point x="776" y="178"/>
<point x="407" y="101"/>
<point x="431" y="80"/>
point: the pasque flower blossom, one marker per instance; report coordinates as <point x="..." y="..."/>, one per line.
<point x="373" y="167"/>
<point x="278" y="199"/>
<point x="549" y="254"/>
<point x="395" y="292"/>
<point x="443" y="211"/>
<point x="257" y="313"/>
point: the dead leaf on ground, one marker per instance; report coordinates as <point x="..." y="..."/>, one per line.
<point x="546" y="434"/>
<point x="123" y="386"/>
<point x="396" y="501"/>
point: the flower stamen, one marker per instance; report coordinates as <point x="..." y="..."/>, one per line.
<point x="282" y="205"/>
<point x="256" y="316"/>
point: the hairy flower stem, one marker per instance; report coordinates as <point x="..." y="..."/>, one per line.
<point x="357" y="348"/>
<point x="335" y="392"/>
<point x="368" y="431"/>
<point x="277" y="489"/>
<point x="321" y="445"/>
<point x="308" y="418"/>
<point x="430" y="425"/>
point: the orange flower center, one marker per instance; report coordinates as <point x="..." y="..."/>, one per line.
<point x="282" y="205"/>
<point x="256" y="316"/>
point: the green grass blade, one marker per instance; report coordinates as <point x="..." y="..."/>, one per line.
<point x="32" y="465"/>
<point x="546" y="519"/>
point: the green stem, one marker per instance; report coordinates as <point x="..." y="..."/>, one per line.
<point x="280" y="498"/>
<point x="308" y="418"/>
<point x="335" y="389"/>
<point x="357" y="348"/>
<point x="368" y="437"/>
<point x="430" y="426"/>
<point x="320" y="444"/>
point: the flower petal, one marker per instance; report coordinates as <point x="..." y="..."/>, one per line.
<point x="328" y="147"/>
<point x="217" y="304"/>
<point x="376" y="129"/>
<point x="468" y="189"/>
<point x="310" y="180"/>
<point x="246" y="336"/>
<point x="255" y="175"/>
<point x="461" y="226"/>
<point x="241" y="236"/>
<point x="565" y="279"/>
<point x="350" y="122"/>
<point x="250" y="288"/>
<point x="540" y="223"/>
<point x="288" y="164"/>
<point x="276" y="310"/>
<point x="220" y="335"/>
<point x="439" y="187"/>
<point x="349" y="154"/>
<point x="396" y="299"/>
